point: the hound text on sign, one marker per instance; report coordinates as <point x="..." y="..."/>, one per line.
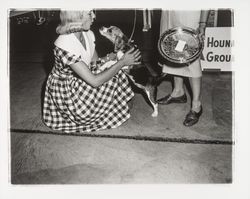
<point x="217" y="53"/>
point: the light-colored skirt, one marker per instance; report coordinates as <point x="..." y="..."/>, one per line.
<point x="172" y="19"/>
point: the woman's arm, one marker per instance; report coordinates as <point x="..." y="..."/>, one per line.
<point x="130" y="58"/>
<point x="108" y="57"/>
<point x="95" y="57"/>
<point x="204" y="16"/>
<point x="203" y="23"/>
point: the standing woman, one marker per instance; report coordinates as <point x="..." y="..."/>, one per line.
<point x="196" y="20"/>
<point x="79" y="97"/>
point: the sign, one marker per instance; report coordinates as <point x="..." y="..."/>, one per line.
<point x="217" y="53"/>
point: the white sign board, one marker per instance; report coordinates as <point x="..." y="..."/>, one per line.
<point x="217" y="53"/>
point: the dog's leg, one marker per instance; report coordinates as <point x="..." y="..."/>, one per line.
<point x="150" y="95"/>
<point x="150" y="69"/>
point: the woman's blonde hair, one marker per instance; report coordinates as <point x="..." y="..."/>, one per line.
<point x="71" y="21"/>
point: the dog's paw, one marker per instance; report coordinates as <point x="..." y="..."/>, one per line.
<point x="155" y="113"/>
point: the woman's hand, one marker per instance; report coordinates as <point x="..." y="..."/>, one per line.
<point x="203" y="24"/>
<point x="131" y="57"/>
<point x="201" y="32"/>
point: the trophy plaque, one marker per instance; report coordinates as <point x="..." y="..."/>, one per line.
<point x="181" y="46"/>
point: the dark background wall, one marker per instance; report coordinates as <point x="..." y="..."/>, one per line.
<point x="33" y="42"/>
<point x="26" y="35"/>
<point x="225" y="18"/>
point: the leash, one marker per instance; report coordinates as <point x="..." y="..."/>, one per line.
<point x="133" y="30"/>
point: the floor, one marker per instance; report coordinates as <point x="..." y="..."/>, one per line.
<point x="53" y="159"/>
<point x="144" y="150"/>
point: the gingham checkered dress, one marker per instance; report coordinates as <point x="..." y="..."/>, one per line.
<point x="72" y="105"/>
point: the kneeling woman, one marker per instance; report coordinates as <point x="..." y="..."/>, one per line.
<point x="79" y="97"/>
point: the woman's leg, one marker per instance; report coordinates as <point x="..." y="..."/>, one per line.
<point x="178" y="87"/>
<point x="177" y="95"/>
<point x="196" y="109"/>
<point x="196" y="89"/>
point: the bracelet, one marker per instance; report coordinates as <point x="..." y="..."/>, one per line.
<point x="203" y="22"/>
<point x="108" y="58"/>
<point x="100" y="60"/>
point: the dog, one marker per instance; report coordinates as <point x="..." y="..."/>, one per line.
<point x="139" y="76"/>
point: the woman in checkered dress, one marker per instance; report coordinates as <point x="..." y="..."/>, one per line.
<point x="81" y="97"/>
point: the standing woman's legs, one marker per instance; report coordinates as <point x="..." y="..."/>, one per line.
<point x="178" y="87"/>
<point x="196" y="109"/>
<point x="195" y="83"/>
<point x="178" y="93"/>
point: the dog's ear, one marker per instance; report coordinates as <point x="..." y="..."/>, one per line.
<point x="128" y="43"/>
<point x="125" y="39"/>
<point x="117" y="31"/>
<point x="119" y="44"/>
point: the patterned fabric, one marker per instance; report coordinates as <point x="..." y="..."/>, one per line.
<point x="73" y="106"/>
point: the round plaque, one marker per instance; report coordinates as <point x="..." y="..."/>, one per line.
<point x="180" y="45"/>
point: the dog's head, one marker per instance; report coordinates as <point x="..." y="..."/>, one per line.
<point x="116" y="36"/>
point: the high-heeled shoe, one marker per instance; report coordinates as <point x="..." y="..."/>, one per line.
<point x="192" y="117"/>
